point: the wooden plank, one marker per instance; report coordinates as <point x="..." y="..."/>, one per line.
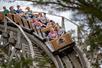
<point x="55" y="44"/>
<point x="16" y="18"/>
<point x="67" y="38"/>
<point x="25" y="23"/>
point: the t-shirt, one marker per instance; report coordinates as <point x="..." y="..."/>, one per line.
<point x="19" y="11"/>
<point x="29" y="13"/>
<point x="60" y="31"/>
<point x="52" y="34"/>
<point x="5" y="12"/>
<point x="13" y="11"/>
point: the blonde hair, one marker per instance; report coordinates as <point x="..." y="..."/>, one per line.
<point x="28" y="8"/>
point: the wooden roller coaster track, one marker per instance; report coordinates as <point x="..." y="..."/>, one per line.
<point x="27" y="37"/>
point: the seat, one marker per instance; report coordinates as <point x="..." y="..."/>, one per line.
<point x="46" y="29"/>
<point x="17" y="19"/>
<point x="25" y="24"/>
<point x="67" y="38"/>
<point x="30" y="24"/>
<point x="10" y="16"/>
<point x="55" y="44"/>
<point x="62" y="41"/>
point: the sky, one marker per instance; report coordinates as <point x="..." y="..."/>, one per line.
<point x="68" y="14"/>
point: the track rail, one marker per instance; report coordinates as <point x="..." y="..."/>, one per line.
<point x="72" y="59"/>
<point x="57" y="61"/>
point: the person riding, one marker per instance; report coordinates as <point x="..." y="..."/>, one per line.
<point x="51" y="23"/>
<point x="19" y="10"/>
<point x="6" y="11"/>
<point x="38" y="24"/>
<point x="28" y="13"/>
<point x="12" y="10"/>
<point x="42" y="18"/>
<point x="52" y="34"/>
<point x="59" y="29"/>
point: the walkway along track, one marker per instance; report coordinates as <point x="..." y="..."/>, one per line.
<point x="64" y="60"/>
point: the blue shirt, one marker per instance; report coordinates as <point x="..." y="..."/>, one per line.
<point x="19" y="11"/>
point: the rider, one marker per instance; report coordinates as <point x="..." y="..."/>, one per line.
<point x="28" y="13"/>
<point x="52" y="34"/>
<point x="18" y="9"/>
<point x="6" y="11"/>
<point x="12" y="10"/>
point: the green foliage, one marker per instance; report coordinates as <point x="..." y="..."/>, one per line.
<point x="40" y="1"/>
<point x="44" y="61"/>
<point x="23" y="63"/>
<point x="66" y="1"/>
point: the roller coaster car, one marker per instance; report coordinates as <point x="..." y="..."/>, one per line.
<point x="25" y="24"/>
<point x="63" y="43"/>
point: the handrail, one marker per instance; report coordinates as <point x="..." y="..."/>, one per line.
<point x="29" y="42"/>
